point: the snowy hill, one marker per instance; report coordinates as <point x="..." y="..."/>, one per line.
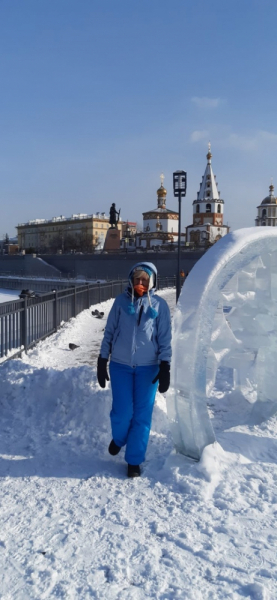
<point x="74" y="527"/>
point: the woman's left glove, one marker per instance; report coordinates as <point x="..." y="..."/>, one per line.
<point x="163" y="377"/>
<point x="102" y="373"/>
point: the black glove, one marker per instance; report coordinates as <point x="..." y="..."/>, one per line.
<point x="163" y="376"/>
<point x="102" y="373"/>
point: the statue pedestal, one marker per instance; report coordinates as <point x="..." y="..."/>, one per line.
<point x="112" y="241"/>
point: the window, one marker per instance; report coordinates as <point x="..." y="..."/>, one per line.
<point x="208" y="208"/>
<point x="219" y="208"/>
<point x="263" y="213"/>
<point x="197" y="208"/>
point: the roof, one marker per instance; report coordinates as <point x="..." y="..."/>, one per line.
<point x="271" y="199"/>
<point x="208" y="186"/>
<point x="161" y="211"/>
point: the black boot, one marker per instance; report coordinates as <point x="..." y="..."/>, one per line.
<point x="133" y="471"/>
<point x="114" y="449"/>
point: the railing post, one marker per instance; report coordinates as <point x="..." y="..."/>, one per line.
<point x="56" y="312"/>
<point x="74" y="302"/>
<point x="24" y="333"/>
<point x="88" y="295"/>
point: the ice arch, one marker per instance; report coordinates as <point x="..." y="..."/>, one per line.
<point x="226" y="315"/>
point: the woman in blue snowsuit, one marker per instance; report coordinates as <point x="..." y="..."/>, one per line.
<point x="138" y="338"/>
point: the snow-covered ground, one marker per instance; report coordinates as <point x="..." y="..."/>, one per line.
<point x="72" y="526"/>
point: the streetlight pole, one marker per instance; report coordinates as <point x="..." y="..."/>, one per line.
<point x="179" y="189"/>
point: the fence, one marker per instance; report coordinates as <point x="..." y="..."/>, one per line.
<point x="25" y="322"/>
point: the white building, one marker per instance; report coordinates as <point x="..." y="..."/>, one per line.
<point x="267" y="211"/>
<point x="160" y="225"/>
<point x="208" y="211"/>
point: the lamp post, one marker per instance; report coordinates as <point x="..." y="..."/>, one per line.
<point x="179" y="189"/>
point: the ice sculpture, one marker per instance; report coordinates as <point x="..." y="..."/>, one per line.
<point x="226" y="315"/>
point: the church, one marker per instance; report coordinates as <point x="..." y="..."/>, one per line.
<point x="208" y="211"/>
<point x="160" y="225"/>
<point x="267" y="210"/>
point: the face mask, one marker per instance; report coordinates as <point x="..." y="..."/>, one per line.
<point x="140" y="289"/>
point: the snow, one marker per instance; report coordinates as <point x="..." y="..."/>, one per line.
<point x="73" y="526"/>
<point x="7" y="295"/>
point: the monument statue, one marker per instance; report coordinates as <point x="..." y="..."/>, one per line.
<point x="112" y="241"/>
<point x="113" y="220"/>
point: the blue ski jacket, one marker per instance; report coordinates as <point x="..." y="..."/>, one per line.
<point x="142" y="335"/>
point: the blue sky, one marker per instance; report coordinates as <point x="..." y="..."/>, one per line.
<point x="98" y="97"/>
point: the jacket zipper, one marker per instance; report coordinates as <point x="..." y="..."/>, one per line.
<point x="140" y="314"/>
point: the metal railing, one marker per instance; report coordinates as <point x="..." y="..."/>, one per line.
<point x="23" y="323"/>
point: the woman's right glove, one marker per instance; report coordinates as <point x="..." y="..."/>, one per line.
<point x="163" y="376"/>
<point x="102" y="372"/>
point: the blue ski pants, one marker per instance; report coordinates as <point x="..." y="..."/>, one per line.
<point x="133" y="402"/>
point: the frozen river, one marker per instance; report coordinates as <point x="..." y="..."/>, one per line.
<point x="7" y="295"/>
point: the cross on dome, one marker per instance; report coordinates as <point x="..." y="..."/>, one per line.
<point x="209" y="155"/>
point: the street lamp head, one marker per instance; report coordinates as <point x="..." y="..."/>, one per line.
<point x="179" y="183"/>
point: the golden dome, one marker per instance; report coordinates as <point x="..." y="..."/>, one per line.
<point x="161" y="191"/>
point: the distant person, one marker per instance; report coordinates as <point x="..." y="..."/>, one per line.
<point x="138" y="338"/>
